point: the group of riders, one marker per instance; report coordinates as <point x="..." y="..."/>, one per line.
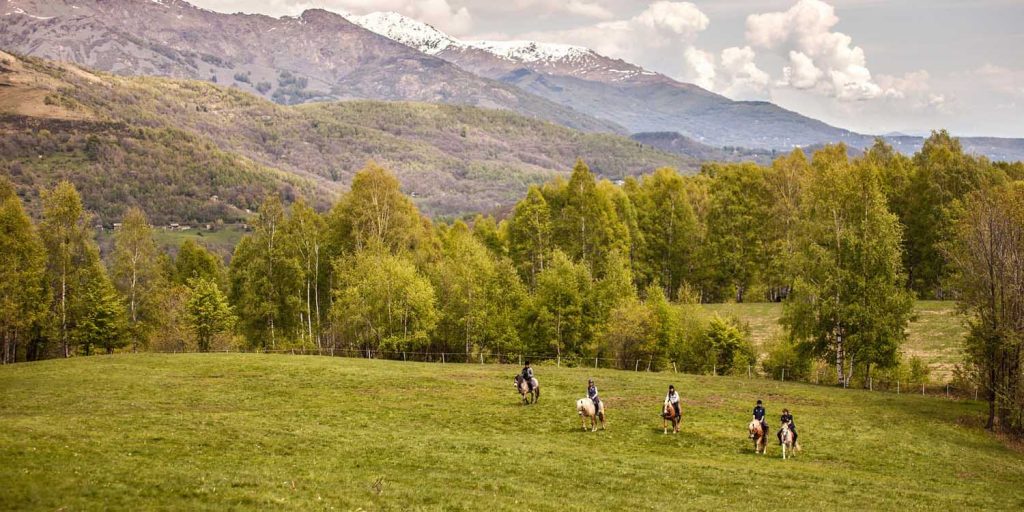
<point x="672" y="399"/>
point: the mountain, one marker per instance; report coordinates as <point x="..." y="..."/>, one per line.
<point x="316" y="56"/>
<point x="650" y="105"/>
<point x="615" y="90"/>
<point x="196" y="151"/>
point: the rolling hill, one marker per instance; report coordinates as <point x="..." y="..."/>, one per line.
<point x="171" y="145"/>
<point x="224" y="431"/>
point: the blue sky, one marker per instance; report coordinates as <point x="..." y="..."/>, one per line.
<point x="875" y="66"/>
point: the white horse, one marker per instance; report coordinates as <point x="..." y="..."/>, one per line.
<point x="585" y="408"/>
<point x="786" y="438"/>
<point x="529" y="397"/>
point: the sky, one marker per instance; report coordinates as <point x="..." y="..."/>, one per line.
<point x="872" y="66"/>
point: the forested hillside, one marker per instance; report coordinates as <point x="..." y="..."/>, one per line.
<point x="182" y="142"/>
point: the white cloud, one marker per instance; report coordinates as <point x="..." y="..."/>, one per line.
<point x="742" y="78"/>
<point x="588" y="9"/>
<point x="652" y="38"/>
<point x="818" y="57"/>
<point x="701" y="67"/>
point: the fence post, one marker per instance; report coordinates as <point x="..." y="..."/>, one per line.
<point x="922" y="389"/>
<point x="403" y="356"/>
<point x="897" y="386"/>
<point x="559" y="363"/>
<point x="442" y="357"/>
<point x="636" y="367"/>
<point x="748" y="371"/>
<point x="783" y="374"/>
<point x="871" y="385"/>
<point x="975" y="393"/>
<point x="714" y="370"/>
<point x="595" y="362"/>
<point x="674" y="367"/>
<point x="520" y="359"/>
<point x="481" y="358"/>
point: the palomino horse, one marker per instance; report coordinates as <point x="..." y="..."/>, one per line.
<point x="668" y="413"/>
<point x="524" y="390"/>
<point x="757" y="435"/>
<point x="585" y="408"/>
<point x="786" y="438"/>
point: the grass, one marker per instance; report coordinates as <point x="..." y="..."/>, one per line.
<point x="232" y="431"/>
<point x="935" y="333"/>
<point x="221" y="241"/>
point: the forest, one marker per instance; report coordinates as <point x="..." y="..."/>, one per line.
<point x="582" y="270"/>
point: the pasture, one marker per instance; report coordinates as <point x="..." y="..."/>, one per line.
<point x="935" y="333"/>
<point x="243" y="431"/>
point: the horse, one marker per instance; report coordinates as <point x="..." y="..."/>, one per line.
<point x="668" y="413"/>
<point x="786" y="440"/>
<point x="585" y="408"/>
<point x="524" y="390"/>
<point x="757" y="435"/>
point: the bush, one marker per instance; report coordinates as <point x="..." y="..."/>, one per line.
<point x="783" y="354"/>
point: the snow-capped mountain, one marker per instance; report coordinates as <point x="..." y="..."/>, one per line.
<point x="497" y="58"/>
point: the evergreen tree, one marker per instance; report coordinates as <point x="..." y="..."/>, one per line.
<point x="24" y="297"/>
<point x="208" y="311"/>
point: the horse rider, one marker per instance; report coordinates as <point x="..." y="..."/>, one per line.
<point x="592" y="395"/>
<point x="787" y="418"/>
<point x="759" y="415"/>
<point x="528" y="376"/>
<point x="673" y="398"/>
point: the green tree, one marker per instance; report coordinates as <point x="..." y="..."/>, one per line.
<point x="138" y="275"/>
<point x="374" y="212"/>
<point x="848" y="303"/>
<point x="529" y="233"/>
<point x="72" y="257"/>
<point x="783" y="181"/>
<point x="195" y="261"/>
<point x="669" y="236"/>
<point x="382" y="302"/>
<point x="100" y="317"/>
<point x="737" y="226"/>
<point x="207" y="311"/>
<point x="24" y="297"/>
<point x="308" y="231"/>
<point x="266" y="277"/>
<point x="986" y="252"/>
<point x="562" y="304"/>
<point x="586" y="226"/>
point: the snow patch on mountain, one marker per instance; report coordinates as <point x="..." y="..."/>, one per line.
<point x="432" y="41"/>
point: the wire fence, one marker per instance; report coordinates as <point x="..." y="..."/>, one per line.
<point x="946" y="390"/>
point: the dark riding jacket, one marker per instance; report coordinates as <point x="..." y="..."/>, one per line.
<point x="759" y="413"/>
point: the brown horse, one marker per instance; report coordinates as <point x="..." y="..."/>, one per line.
<point x="757" y="435"/>
<point x="668" y="413"/>
<point x="585" y="408"/>
<point x="786" y="440"/>
<point x="529" y="397"/>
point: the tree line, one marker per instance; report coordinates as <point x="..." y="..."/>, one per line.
<point x="579" y="269"/>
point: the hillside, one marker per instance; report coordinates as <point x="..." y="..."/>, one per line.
<point x="209" y="432"/>
<point x="454" y="159"/>
<point x="316" y="56"/>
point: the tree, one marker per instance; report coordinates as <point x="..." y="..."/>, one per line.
<point x="848" y="302"/>
<point x="208" y="311"/>
<point x="138" y="274"/>
<point x="266" y="277"/>
<point x="382" y="302"/>
<point x="374" y="212"/>
<point x="586" y="225"/>
<point x="987" y="252"/>
<point x="737" y="226"/>
<point x="72" y="256"/>
<point x="783" y="181"/>
<point x="100" y="317"/>
<point x="529" y="233"/>
<point x="668" y="231"/>
<point x="308" y="230"/>
<point x="24" y="297"/>
<point x="563" y="319"/>
<point x="195" y="261"/>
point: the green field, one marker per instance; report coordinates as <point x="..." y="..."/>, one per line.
<point x="230" y="431"/>
<point x="935" y="333"/>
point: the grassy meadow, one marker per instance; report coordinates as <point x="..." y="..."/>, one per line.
<point x="935" y="333"/>
<point x="244" y="431"/>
